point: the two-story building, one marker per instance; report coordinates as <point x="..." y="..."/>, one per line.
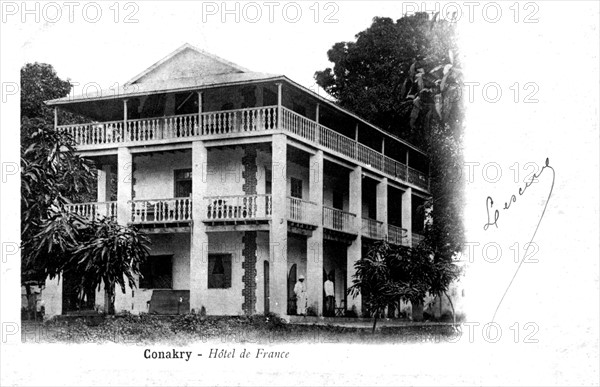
<point x="243" y="181"/>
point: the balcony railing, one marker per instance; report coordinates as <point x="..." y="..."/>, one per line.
<point x="173" y="127"/>
<point x="301" y="211"/>
<point x="238" y="207"/>
<point x="372" y="228"/>
<point x="338" y="220"/>
<point x="231" y="122"/>
<point x="416" y="239"/>
<point x="94" y="211"/>
<point x="334" y="141"/>
<point x="397" y="235"/>
<point x="161" y="210"/>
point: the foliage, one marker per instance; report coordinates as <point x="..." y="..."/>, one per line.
<point x="406" y="77"/>
<point x="388" y="274"/>
<point x="52" y="174"/>
<point x="382" y="75"/>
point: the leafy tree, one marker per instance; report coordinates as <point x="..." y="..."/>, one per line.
<point x="96" y="252"/>
<point x="406" y="77"/>
<point x="390" y="274"/>
<point x="51" y="173"/>
<point x="378" y="76"/>
<point x="55" y="241"/>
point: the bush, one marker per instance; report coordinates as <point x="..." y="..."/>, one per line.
<point x="190" y="323"/>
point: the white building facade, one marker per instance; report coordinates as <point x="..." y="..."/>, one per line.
<point x="242" y="181"/>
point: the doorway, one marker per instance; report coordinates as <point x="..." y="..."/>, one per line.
<point x="266" y="287"/>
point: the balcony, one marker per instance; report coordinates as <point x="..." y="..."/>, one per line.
<point x="153" y="211"/>
<point x="339" y="220"/>
<point x="237" y="208"/>
<point x="301" y="211"/>
<point x="416" y="239"/>
<point x="397" y="235"/>
<point x="373" y="229"/>
<point x="93" y="211"/>
<point x="234" y="123"/>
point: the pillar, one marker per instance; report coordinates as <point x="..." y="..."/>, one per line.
<point x="278" y="231"/>
<point x="199" y="242"/>
<point x="279" y="106"/>
<point x="124" y="185"/>
<point x="314" y="250"/>
<point x="407" y="214"/>
<point x="123" y="301"/>
<point x="382" y="203"/>
<point x="355" y="249"/>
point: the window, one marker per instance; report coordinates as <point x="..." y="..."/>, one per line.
<point x="219" y="271"/>
<point x="296" y="188"/>
<point x="183" y="183"/>
<point x="157" y="272"/>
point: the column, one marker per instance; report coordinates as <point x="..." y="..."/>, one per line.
<point x="279" y="106"/>
<point x="123" y="301"/>
<point x="278" y="232"/>
<point x="355" y="249"/>
<point x="407" y="214"/>
<point x="124" y="185"/>
<point x="199" y="237"/>
<point x="382" y="204"/>
<point x="314" y="248"/>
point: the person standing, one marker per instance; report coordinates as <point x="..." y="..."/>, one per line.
<point x="301" y="299"/>
<point x="329" y="297"/>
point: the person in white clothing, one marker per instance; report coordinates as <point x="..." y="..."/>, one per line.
<point x="301" y="299"/>
<point x="329" y="297"/>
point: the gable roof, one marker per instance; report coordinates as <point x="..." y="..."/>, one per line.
<point x="197" y="63"/>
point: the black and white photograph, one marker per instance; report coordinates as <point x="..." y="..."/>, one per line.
<point x="300" y="193"/>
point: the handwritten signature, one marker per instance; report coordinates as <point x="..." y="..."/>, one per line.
<point x="489" y="203"/>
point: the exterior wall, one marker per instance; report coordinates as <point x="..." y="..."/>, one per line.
<point x="224" y="175"/>
<point x="154" y="176"/>
<point x="300" y="172"/>
<point x="226" y="301"/>
<point x="178" y="245"/>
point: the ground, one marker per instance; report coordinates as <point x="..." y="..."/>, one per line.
<point x="260" y="329"/>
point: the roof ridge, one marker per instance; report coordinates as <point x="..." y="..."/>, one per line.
<point x="179" y="50"/>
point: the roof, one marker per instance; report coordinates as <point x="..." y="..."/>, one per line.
<point x="197" y="63"/>
<point x="189" y="68"/>
<point x="175" y="84"/>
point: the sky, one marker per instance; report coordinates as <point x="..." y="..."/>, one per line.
<point x="106" y="52"/>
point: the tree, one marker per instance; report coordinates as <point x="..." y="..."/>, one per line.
<point x="379" y="74"/>
<point x="96" y="252"/>
<point x="390" y="274"/>
<point x="53" y="174"/>
<point x="405" y="77"/>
